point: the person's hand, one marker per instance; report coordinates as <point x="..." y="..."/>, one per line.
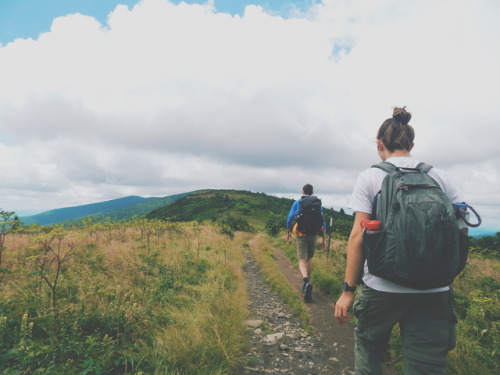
<point x="342" y="307"/>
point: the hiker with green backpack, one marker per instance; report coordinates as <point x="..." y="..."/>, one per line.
<point x="306" y="221"/>
<point x="406" y="246"/>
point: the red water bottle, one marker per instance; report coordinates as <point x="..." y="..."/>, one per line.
<point x="370" y="225"/>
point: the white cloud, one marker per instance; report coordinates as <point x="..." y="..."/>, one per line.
<point x="167" y="98"/>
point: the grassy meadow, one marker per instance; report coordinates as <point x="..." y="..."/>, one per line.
<point x="157" y="297"/>
<point x="142" y="298"/>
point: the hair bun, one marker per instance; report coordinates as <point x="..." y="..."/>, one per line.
<point x="401" y="115"/>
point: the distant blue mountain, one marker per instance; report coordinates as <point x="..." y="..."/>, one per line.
<point x="482" y="232"/>
<point x="72" y="213"/>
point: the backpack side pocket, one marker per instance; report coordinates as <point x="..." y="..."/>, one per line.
<point x="373" y="246"/>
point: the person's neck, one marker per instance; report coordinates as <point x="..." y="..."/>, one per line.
<point x="396" y="153"/>
<point x="399" y="153"/>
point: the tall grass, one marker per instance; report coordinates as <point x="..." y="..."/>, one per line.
<point x="131" y="305"/>
<point x="476" y="293"/>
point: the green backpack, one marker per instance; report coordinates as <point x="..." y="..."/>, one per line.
<point x="419" y="244"/>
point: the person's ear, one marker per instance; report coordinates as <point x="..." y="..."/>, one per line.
<point x="380" y="145"/>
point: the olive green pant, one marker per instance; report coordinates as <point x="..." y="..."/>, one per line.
<point x="306" y="246"/>
<point x="427" y="327"/>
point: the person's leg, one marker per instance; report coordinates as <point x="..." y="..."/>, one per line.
<point x="308" y="287"/>
<point x="428" y="333"/>
<point x="376" y="313"/>
<point x="307" y="253"/>
<point x="308" y="267"/>
<point x="304" y="267"/>
<point x="302" y="256"/>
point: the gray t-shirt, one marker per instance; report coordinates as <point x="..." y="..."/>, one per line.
<point x="367" y="186"/>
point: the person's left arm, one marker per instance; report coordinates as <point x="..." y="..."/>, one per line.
<point x="355" y="259"/>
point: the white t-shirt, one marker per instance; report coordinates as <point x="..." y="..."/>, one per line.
<point x="367" y="186"/>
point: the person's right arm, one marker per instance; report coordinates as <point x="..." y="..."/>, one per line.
<point x="291" y="216"/>
<point x="355" y="259"/>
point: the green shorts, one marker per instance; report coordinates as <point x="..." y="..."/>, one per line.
<point x="305" y="246"/>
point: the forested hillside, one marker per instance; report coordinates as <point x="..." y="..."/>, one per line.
<point x="213" y="204"/>
<point x="252" y="209"/>
<point x="72" y="213"/>
<point x="117" y="209"/>
<point x="257" y="209"/>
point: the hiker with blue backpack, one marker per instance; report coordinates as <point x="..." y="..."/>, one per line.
<point x="407" y="243"/>
<point x="306" y="221"/>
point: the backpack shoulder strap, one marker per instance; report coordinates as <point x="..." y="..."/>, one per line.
<point x="389" y="167"/>
<point x="385" y="166"/>
<point x="423" y="167"/>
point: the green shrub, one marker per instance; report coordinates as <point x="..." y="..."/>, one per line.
<point x="274" y="224"/>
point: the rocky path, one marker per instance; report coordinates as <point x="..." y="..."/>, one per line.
<point x="279" y="344"/>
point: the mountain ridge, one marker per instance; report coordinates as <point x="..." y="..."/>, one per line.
<point x="113" y="208"/>
<point x="239" y="205"/>
<point x="204" y="204"/>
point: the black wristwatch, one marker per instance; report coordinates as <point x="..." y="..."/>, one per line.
<point x="347" y="288"/>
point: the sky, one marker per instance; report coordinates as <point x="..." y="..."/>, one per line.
<point x="101" y="99"/>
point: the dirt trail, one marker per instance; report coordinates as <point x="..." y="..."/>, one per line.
<point x="279" y="344"/>
<point x="322" y="319"/>
<point x="321" y="311"/>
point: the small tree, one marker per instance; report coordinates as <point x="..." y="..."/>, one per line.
<point x="195" y="237"/>
<point x="50" y="258"/>
<point x="9" y="222"/>
<point x="90" y="226"/>
<point x="274" y="224"/>
<point x="235" y="224"/>
<point x="226" y="230"/>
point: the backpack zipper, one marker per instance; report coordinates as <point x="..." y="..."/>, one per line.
<point x="410" y="187"/>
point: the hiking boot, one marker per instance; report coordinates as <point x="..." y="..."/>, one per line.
<point x="308" y="292"/>
<point x="304" y="288"/>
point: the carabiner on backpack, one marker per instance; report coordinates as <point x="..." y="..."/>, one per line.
<point x="461" y="212"/>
